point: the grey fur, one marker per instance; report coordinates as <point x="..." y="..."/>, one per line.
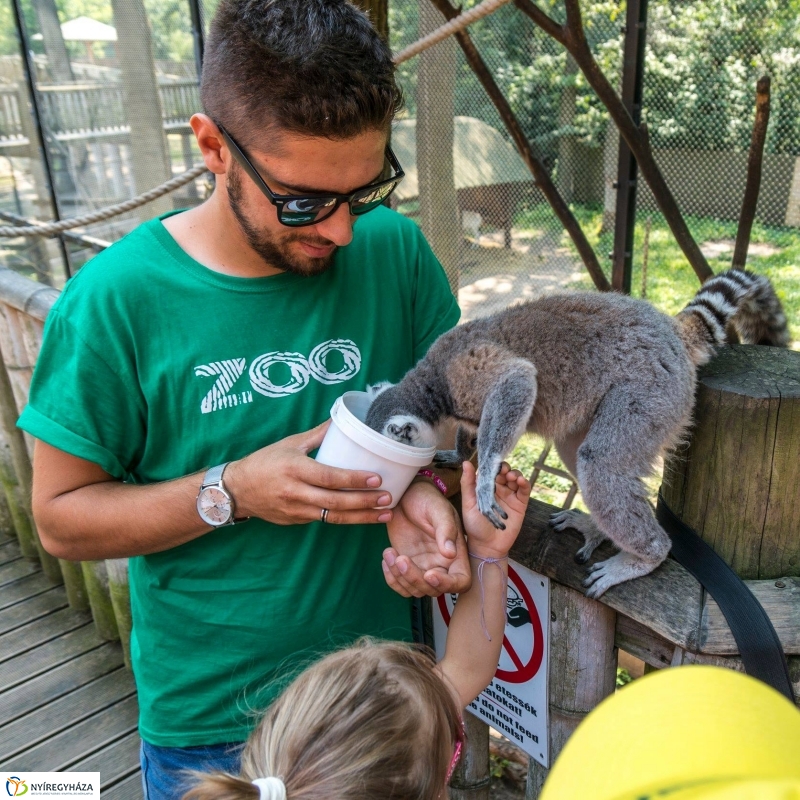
<point x="609" y="379"/>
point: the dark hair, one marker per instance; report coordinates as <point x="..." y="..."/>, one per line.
<point x="315" y="67"/>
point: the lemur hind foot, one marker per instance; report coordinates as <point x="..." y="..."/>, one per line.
<point x="617" y="569"/>
<point x="583" y="523"/>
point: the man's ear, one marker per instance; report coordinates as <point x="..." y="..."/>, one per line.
<point x="378" y="388"/>
<point x="210" y="142"/>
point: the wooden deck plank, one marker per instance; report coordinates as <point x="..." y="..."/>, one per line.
<point x="42" y="630"/>
<point x="24" y="588"/>
<point x="60" y="681"/>
<point x="34" y="608"/>
<point x="116" y="761"/>
<point x="64" y="712"/>
<point x="60" y="751"/>
<point x="6" y="538"/>
<point x="47" y="656"/>
<point x="9" y="552"/>
<point x="128" y="789"/>
<point x="19" y="568"/>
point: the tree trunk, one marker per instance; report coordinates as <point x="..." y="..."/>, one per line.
<point x="57" y="56"/>
<point x="438" y="204"/>
<point x="148" y="143"/>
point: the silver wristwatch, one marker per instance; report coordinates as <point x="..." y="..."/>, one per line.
<point x="214" y="502"/>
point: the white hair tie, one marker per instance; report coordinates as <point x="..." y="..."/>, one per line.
<point x="271" y="788"/>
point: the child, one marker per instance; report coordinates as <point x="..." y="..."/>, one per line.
<point x="382" y="719"/>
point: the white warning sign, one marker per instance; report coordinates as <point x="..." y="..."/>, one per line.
<point x="515" y="702"/>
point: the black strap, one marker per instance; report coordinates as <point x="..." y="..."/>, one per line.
<point x="759" y="646"/>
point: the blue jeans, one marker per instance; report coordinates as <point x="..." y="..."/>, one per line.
<point x="162" y="776"/>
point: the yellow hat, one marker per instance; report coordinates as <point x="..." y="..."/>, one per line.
<point x="684" y="734"/>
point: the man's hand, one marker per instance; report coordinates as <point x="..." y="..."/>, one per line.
<point x="428" y="555"/>
<point x="281" y="484"/>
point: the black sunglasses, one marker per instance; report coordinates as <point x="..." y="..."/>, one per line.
<point x="298" y="210"/>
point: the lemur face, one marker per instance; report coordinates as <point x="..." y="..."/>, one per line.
<point x="410" y="430"/>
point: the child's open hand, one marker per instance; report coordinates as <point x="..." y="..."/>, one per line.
<point x="513" y="491"/>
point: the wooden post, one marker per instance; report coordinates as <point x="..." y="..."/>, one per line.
<point x="470" y="780"/>
<point x="737" y="481"/>
<point x="74" y="584"/>
<point x="96" y="577"/>
<point x="117" y="569"/>
<point x="20" y="520"/>
<point x="583" y="668"/>
<point x="22" y="466"/>
<point x="6" y="519"/>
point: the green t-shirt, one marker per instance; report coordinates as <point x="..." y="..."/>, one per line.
<point x="154" y="367"/>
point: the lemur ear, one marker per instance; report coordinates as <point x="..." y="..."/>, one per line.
<point x="377" y="388"/>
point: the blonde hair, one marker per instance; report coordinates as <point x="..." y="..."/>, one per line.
<point x="374" y="720"/>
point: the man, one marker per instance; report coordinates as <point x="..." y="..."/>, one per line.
<point x="186" y="370"/>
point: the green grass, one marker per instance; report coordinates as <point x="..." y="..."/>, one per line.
<point x="670" y="284"/>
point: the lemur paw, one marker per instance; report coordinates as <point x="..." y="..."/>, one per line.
<point x="488" y="505"/>
<point x="617" y="569"/>
<point x="583" y="523"/>
<point x="569" y="518"/>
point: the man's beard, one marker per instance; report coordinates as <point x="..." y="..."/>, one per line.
<point x="274" y="251"/>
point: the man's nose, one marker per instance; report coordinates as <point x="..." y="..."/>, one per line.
<point x="338" y="227"/>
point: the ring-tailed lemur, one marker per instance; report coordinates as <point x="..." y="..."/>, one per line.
<point x="609" y="379"/>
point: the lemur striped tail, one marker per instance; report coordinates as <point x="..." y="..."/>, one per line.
<point x="742" y="298"/>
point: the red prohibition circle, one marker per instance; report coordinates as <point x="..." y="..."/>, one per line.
<point x="523" y="670"/>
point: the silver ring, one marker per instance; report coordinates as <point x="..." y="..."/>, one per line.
<point x="323" y="515"/>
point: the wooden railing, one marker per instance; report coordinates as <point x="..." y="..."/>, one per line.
<point x="71" y="109"/>
<point x="665" y="618"/>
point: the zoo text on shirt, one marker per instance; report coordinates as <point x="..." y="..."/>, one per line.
<point x="301" y="370"/>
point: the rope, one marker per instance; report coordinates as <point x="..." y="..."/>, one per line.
<point x="53" y="228"/>
<point x="449" y="28"/>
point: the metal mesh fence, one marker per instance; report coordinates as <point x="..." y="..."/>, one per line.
<point x="116" y="82"/>
<point x="480" y="209"/>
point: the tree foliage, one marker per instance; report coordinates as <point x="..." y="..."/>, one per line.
<point x="702" y="63"/>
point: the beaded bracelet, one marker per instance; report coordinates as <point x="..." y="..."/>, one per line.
<point x="437" y="481"/>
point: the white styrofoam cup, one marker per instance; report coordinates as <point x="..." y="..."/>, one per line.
<point x="351" y="444"/>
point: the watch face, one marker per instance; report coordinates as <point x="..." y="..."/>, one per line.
<point x="214" y="506"/>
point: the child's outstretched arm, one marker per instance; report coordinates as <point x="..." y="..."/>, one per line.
<point x="476" y="629"/>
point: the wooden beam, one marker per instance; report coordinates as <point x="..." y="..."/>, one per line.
<point x="780" y="599"/>
<point x="754" y="165"/>
<point x="668" y="603"/>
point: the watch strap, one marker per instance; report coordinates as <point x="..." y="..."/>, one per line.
<point x="213" y="476"/>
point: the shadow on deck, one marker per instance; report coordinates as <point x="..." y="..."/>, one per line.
<point x="66" y="700"/>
